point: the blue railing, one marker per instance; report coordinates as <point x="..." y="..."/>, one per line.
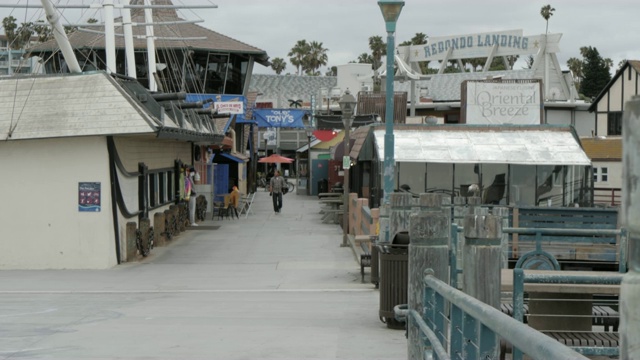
<point x="456" y="325"/>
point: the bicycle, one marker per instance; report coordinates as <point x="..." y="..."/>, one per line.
<point x="290" y="186"/>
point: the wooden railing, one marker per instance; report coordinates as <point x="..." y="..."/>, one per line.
<point x="607" y="196"/>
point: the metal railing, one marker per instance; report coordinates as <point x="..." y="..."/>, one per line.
<point x="458" y="326"/>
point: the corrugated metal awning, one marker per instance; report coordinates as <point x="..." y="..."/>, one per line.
<point x="532" y="145"/>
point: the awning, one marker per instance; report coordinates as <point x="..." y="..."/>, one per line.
<point x="239" y="158"/>
<point x="526" y="145"/>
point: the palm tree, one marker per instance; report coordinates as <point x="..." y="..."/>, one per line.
<point x="295" y="103"/>
<point x="10" y="26"/>
<point x="278" y="65"/>
<point x="298" y="53"/>
<point x="315" y="58"/>
<point x="365" y="58"/>
<point x="547" y="12"/>
<point x="378" y="50"/>
<point x="575" y="66"/>
<point x="419" y="39"/>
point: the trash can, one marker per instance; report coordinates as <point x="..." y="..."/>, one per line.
<point x="323" y="186"/>
<point x="393" y="277"/>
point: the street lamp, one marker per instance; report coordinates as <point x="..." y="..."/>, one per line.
<point x="347" y="107"/>
<point x="390" y="12"/>
<point x="309" y="131"/>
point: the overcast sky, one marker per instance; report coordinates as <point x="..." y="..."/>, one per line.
<point x="344" y="26"/>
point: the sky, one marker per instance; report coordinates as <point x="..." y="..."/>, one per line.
<point x="344" y="26"/>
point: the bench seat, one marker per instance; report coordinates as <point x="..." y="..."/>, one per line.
<point x="600" y="314"/>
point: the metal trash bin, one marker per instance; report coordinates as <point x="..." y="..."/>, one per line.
<point x="393" y="277"/>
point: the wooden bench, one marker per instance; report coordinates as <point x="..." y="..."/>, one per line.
<point x="586" y="343"/>
<point x="578" y="247"/>
<point x="332" y="215"/>
<point x="579" y="335"/>
<point x="601" y="315"/>
<point x="365" y="258"/>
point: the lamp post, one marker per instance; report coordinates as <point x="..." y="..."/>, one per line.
<point x="309" y="131"/>
<point x="390" y="12"/>
<point x="347" y="106"/>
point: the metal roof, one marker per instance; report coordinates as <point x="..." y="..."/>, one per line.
<point x="526" y="145"/>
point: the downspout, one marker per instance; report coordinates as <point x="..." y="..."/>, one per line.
<point x="233" y="138"/>
<point x="111" y="148"/>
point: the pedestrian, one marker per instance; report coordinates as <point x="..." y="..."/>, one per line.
<point x="275" y="189"/>
<point x="190" y="194"/>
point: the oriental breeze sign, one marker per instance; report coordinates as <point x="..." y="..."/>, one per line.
<point x="517" y="103"/>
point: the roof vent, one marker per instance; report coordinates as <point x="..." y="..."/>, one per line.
<point x="142" y="97"/>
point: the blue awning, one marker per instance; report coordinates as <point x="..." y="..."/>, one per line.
<point x="233" y="158"/>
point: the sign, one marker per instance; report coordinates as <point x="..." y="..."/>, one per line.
<point x="89" y="197"/>
<point x="281" y="118"/>
<point x="270" y="136"/>
<point x="517" y="103"/>
<point x="229" y="107"/>
<point x="346" y="162"/>
<point x="479" y="45"/>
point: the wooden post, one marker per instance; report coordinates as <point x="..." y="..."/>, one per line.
<point x="400" y="205"/>
<point x="145" y="225"/>
<point x="482" y="267"/>
<point x="503" y="212"/>
<point x="482" y="234"/>
<point x="630" y="288"/>
<point x="428" y="248"/>
<point x="130" y="244"/>
<point x="158" y="225"/>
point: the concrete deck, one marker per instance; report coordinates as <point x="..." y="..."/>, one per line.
<point x="264" y="287"/>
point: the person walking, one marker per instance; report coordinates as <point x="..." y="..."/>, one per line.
<point x="275" y="189"/>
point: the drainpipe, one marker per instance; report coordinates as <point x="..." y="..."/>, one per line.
<point x="233" y="137"/>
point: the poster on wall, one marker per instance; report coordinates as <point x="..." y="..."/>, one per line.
<point x="89" y="197"/>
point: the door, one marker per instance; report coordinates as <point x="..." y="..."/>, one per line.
<point x="220" y="181"/>
<point x="319" y="172"/>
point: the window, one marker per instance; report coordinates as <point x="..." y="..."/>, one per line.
<point x="614" y="123"/>
<point x="603" y="172"/>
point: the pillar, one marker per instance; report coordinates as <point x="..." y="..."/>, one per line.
<point x="630" y="288"/>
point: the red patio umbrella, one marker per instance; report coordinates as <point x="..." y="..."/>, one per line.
<point x="276" y="159"/>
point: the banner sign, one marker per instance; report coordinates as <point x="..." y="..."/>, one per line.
<point x="505" y="43"/>
<point x="282" y="118"/>
<point x="89" y="197"/>
<point x="229" y="103"/>
<point x="229" y="107"/>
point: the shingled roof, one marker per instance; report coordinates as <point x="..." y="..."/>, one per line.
<point x="599" y="149"/>
<point x="214" y="41"/>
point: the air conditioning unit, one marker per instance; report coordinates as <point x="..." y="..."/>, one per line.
<point x="366" y="88"/>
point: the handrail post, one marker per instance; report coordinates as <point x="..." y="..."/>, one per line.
<point x="428" y="248"/>
<point x="481" y="273"/>
<point x="630" y="289"/>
